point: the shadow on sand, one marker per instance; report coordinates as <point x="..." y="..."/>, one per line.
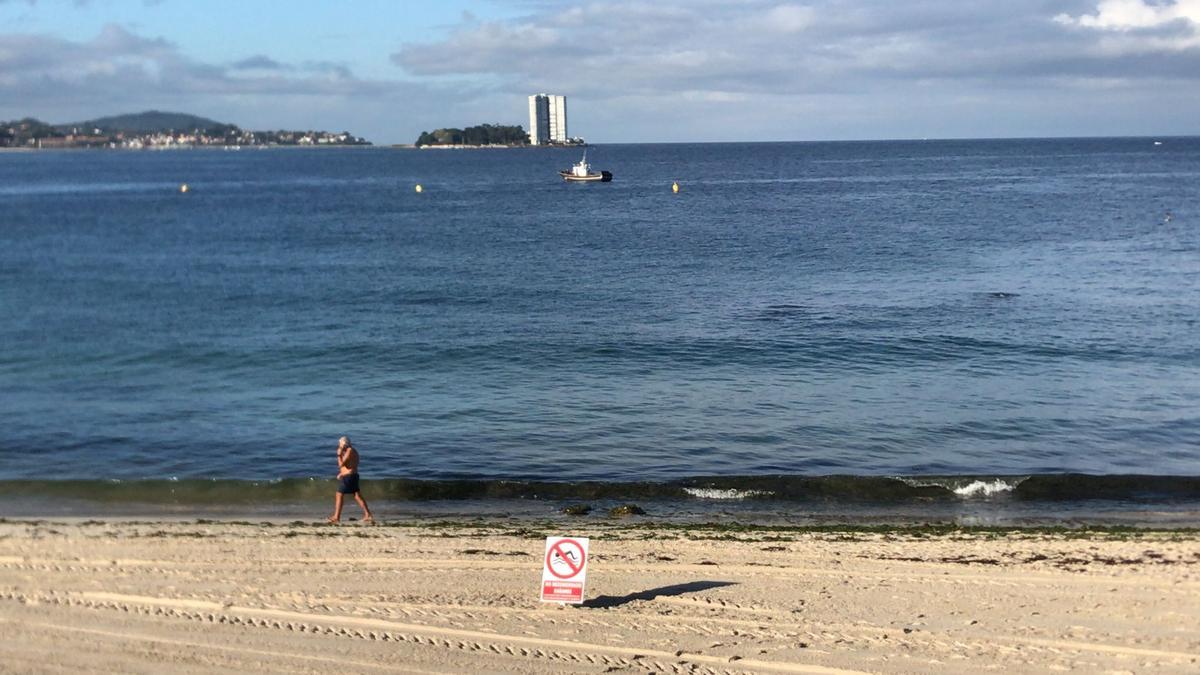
<point x="677" y="589"/>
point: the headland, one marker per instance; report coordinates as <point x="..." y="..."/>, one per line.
<point x="155" y="130"/>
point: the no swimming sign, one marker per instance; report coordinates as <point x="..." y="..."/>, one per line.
<point x="565" y="569"/>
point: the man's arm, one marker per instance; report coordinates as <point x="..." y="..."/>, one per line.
<point x="348" y="463"/>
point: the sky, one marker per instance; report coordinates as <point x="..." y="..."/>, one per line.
<point x="632" y="70"/>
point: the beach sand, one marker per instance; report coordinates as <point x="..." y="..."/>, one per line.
<point x="420" y="596"/>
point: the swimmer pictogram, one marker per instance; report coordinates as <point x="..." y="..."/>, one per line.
<point x="565" y="559"/>
<point x="564" y="569"/>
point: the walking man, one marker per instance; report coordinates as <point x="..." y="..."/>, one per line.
<point x="348" y="481"/>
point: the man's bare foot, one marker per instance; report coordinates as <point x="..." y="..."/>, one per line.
<point x="369" y="519"/>
<point x="332" y="520"/>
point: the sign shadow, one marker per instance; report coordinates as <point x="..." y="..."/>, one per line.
<point x="604" y="601"/>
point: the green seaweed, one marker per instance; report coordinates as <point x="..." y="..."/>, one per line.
<point x="625" y="510"/>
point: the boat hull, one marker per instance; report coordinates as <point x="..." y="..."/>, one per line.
<point x="602" y="177"/>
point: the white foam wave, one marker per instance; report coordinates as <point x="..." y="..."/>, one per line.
<point x="717" y="493"/>
<point x="981" y="488"/>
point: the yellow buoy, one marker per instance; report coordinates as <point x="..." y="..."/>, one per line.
<point x="419" y="188"/>
<point x="675" y="187"/>
<point x="183" y="188"/>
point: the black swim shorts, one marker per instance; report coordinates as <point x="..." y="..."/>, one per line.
<point x="348" y="484"/>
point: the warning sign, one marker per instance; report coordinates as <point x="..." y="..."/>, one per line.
<point x="565" y="569"/>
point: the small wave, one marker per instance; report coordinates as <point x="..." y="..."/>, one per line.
<point x="969" y="487"/>
<point x="985" y="488"/>
<point x="797" y="489"/>
<point x="718" y="493"/>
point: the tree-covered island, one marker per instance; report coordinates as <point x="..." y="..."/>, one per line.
<point x="483" y="134"/>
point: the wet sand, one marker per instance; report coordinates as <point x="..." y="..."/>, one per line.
<point x="420" y="596"/>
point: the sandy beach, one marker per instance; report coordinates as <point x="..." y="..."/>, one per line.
<point x="420" y="596"/>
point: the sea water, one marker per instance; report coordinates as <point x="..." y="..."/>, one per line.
<point x="982" y="310"/>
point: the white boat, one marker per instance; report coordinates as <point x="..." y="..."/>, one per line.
<point x="582" y="173"/>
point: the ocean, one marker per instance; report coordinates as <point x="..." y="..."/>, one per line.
<point x="809" y="323"/>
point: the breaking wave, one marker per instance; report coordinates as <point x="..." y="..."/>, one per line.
<point x="780" y="488"/>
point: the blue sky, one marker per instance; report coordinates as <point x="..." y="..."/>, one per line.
<point x="633" y="70"/>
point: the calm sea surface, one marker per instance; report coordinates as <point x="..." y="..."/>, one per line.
<point x="873" y="309"/>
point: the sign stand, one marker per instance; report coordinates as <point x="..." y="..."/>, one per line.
<point x="564" y="570"/>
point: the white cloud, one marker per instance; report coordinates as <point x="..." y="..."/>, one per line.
<point x="695" y="57"/>
<point x="477" y="45"/>
<point x="1136" y="26"/>
<point x="790" y="18"/>
<point x="118" y="71"/>
<point x="1126" y="15"/>
<point x="667" y="47"/>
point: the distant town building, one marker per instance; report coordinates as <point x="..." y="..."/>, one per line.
<point x="547" y="119"/>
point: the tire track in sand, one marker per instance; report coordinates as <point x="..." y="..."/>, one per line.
<point x="582" y="653"/>
<point x="785" y="618"/>
<point x="339" y="662"/>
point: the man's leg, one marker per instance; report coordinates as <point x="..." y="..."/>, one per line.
<point x="363" y="504"/>
<point x="337" y="507"/>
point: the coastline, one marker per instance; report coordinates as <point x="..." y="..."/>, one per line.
<point x="486" y="147"/>
<point x="1039" y="500"/>
<point x="226" y="148"/>
<point x="430" y="596"/>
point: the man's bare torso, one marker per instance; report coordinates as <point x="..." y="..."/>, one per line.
<point x="348" y="462"/>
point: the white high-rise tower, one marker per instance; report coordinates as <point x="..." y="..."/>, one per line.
<point x="547" y="119"/>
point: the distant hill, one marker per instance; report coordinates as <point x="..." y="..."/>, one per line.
<point x="157" y="129"/>
<point x="150" y="121"/>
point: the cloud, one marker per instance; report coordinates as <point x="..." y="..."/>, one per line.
<point x="258" y="62"/>
<point x="476" y="47"/>
<point x="671" y="46"/>
<point x="789" y="18"/>
<point x="330" y="68"/>
<point x="262" y="63"/>
<point x="1137" y="27"/>
<point x="652" y="64"/>
<point x="1126" y="15"/>
<point x="118" y="61"/>
<point x="120" y="71"/>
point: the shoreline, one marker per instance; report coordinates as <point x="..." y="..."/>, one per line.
<point x="1046" y="500"/>
<point x="409" y="146"/>
<point x="463" y="597"/>
<point x="496" y="146"/>
<point x="980" y="516"/>
<point x="508" y="524"/>
<point x="228" y="148"/>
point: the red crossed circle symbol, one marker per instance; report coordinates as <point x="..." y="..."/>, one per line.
<point x="574" y="566"/>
